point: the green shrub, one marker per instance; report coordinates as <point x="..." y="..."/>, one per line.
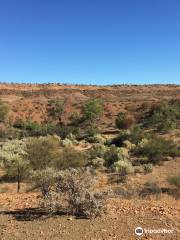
<point x="114" y="154"/>
<point x="92" y="109"/>
<point x="158" y="148"/>
<point x="70" y="158"/>
<point x="119" y="140"/>
<point x="127" y="144"/>
<point x="98" y="163"/>
<point x="123" y="167"/>
<point x="123" y="121"/>
<point x="56" y="109"/>
<point x="148" y="168"/>
<point x="97" y="138"/>
<point x="43" y="151"/>
<point x="13" y="156"/>
<point x="97" y="150"/>
<point x="137" y="134"/>
<point x="111" y="156"/>
<point x="163" y="117"/>
<point x="4" y="110"/>
<point x="134" y="136"/>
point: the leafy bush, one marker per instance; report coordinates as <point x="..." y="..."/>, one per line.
<point x="123" y="136"/>
<point x="43" y="151"/>
<point x="97" y="150"/>
<point x="31" y="128"/>
<point x="114" y="154"/>
<point x="66" y="142"/>
<point x="14" y="161"/>
<point x="123" y="121"/>
<point x="74" y="188"/>
<point x="123" y="167"/>
<point x="70" y="158"/>
<point x="98" y="163"/>
<point x="127" y="144"/>
<point x="111" y="156"/>
<point x="64" y="131"/>
<point x="175" y="180"/>
<point x="56" y="108"/>
<point x="137" y="134"/>
<point x="134" y="136"/>
<point x="158" y="148"/>
<point x="4" y="110"/>
<point x="163" y="117"/>
<point x="148" y="168"/>
<point x="97" y="138"/>
<point x="44" y="179"/>
<point x="92" y="109"/>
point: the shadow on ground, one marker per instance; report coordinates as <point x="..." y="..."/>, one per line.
<point x="30" y="214"/>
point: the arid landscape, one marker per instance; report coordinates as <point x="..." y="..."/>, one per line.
<point x="55" y="139"/>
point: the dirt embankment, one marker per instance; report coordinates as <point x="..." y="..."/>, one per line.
<point x="29" y="101"/>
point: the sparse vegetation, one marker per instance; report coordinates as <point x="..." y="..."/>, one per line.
<point x="157" y="148"/>
<point x="92" y="109"/>
<point x="14" y="161"/>
<point x="76" y="186"/>
<point x="175" y="180"/>
<point x="163" y="117"/>
<point x="123" y="121"/>
<point x="4" y="110"/>
<point x="66" y="154"/>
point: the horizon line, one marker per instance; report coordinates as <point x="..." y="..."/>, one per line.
<point x="88" y="84"/>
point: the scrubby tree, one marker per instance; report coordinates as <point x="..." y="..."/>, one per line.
<point x="92" y="109"/>
<point x="56" y="109"/>
<point x="163" y="117"/>
<point x="43" y="151"/>
<point x="70" y="158"/>
<point x="123" y="121"/>
<point x="157" y="148"/>
<point x="14" y="160"/>
<point x="4" y="110"/>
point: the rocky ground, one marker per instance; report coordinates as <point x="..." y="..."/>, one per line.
<point x="122" y="217"/>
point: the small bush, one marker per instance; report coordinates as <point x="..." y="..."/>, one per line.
<point x="148" y="168"/>
<point x="114" y="154"/>
<point x="92" y="109"/>
<point x="70" y="158"/>
<point x="42" y="152"/>
<point x="98" y="163"/>
<point x="163" y="117"/>
<point x="175" y="180"/>
<point x="73" y="190"/>
<point x="150" y="188"/>
<point x="97" y="150"/>
<point x="134" y="135"/>
<point x="56" y="108"/>
<point x="127" y="144"/>
<point x="4" y="110"/>
<point x="123" y="167"/>
<point x="13" y="156"/>
<point x="123" y="121"/>
<point x="97" y="138"/>
<point x="157" y="148"/>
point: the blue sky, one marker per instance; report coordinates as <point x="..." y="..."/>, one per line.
<point x="90" y="41"/>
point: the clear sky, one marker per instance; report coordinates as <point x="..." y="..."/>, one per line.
<point x="90" y="41"/>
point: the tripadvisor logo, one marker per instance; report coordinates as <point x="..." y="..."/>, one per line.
<point x="139" y="231"/>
